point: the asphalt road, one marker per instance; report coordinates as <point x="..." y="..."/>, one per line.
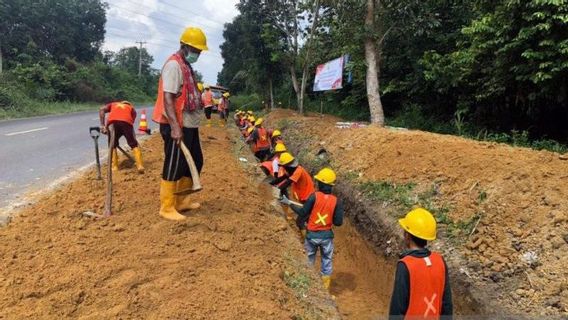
<point x="34" y="152"/>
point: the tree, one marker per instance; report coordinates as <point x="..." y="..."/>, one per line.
<point x="127" y="58"/>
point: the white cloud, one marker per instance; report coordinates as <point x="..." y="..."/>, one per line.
<point x="160" y="22"/>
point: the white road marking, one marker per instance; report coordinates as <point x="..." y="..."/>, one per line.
<point x="27" y="131"/>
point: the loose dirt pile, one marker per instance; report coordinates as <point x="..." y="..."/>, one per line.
<point x="233" y="258"/>
<point x="515" y="197"/>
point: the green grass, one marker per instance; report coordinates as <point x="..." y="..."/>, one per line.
<point x="47" y="108"/>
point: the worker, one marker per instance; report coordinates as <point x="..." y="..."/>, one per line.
<point x="223" y="108"/>
<point x="421" y="285"/>
<point x="121" y="116"/>
<point x="207" y="101"/>
<point x="260" y="140"/>
<point x="178" y="97"/>
<point x="296" y="176"/>
<point x="272" y="166"/>
<point x="276" y="137"/>
<point x="322" y="210"/>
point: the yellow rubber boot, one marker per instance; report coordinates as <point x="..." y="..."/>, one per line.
<point x="168" y="201"/>
<point x="183" y="202"/>
<point x="114" y="160"/>
<point x="221" y="123"/>
<point x="326" y="282"/>
<point x="138" y="158"/>
<point x="209" y="122"/>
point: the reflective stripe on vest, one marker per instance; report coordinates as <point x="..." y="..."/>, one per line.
<point x="120" y="112"/>
<point x="263" y="141"/>
<point x="321" y="217"/>
<point x="427" y="281"/>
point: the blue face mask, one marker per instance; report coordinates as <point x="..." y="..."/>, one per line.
<point x="191" y="57"/>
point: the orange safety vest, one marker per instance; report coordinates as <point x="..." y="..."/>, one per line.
<point x="207" y="98"/>
<point x="427" y="283"/>
<point x="222" y="104"/>
<point x="268" y="166"/>
<point x="321" y="217"/>
<point x="263" y="141"/>
<point x="181" y="97"/>
<point x="121" y="112"/>
<point x="302" y="186"/>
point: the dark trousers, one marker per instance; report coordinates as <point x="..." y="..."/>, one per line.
<point x="262" y="155"/>
<point x="125" y="129"/>
<point x="175" y="164"/>
<point x="208" y="111"/>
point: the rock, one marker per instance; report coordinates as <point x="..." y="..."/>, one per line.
<point x="557" y="217"/>
<point x="5" y="220"/>
<point x="557" y="242"/>
<point x="553" y="302"/>
<point x="566" y="238"/>
<point x="563" y="156"/>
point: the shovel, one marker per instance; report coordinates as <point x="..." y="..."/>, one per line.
<point x="95" y="133"/>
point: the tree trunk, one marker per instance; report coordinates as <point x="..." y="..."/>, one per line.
<point x="307" y="57"/>
<point x="271" y="88"/>
<point x="295" y="84"/>
<point x="373" y="95"/>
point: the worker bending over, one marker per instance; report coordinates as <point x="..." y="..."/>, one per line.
<point x="296" y="177"/>
<point x="121" y="116"/>
<point x="321" y="211"/>
<point x="422" y="285"/>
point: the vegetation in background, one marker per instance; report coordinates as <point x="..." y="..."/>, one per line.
<point x="50" y="64"/>
<point x="477" y="68"/>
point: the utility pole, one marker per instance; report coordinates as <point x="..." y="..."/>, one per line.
<point x="141" y="43"/>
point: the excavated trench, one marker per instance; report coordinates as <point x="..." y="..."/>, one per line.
<point x="367" y="247"/>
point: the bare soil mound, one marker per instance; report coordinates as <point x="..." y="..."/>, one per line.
<point x="235" y="258"/>
<point x="512" y="201"/>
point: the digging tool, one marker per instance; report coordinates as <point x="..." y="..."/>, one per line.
<point x="292" y="202"/>
<point x="196" y="186"/>
<point x="108" y="199"/>
<point x="125" y="153"/>
<point x="95" y="133"/>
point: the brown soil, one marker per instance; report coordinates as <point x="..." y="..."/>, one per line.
<point x="524" y="212"/>
<point x="226" y="261"/>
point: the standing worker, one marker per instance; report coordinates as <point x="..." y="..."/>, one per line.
<point x="122" y="116"/>
<point x="179" y="97"/>
<point x="322" y="210"/>
<point x="207" y="101"/>
<point x="260" y="140"/>
<point x="422" y="285"/>
<point x="223" y="109"/>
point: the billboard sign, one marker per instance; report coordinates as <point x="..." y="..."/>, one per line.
<point x="329" y="76"/>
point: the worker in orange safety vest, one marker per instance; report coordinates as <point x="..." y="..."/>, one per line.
<point x="320" y="212"/>
<point x="422" y="285"/>
<point x="207" y="102"/>
<point x="121" y="116"/>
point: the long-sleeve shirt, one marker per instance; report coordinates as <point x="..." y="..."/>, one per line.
<point x="305" y="211"/>
<point x="400" y="299"/>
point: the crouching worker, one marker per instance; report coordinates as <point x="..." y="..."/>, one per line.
<point x="121" y="116"/>
<point x="296" y="177"/>
<point x="322" y="210"/>
<point x="422" y="285"/>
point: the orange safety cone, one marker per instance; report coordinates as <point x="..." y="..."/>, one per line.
<point x="143" y="128"/>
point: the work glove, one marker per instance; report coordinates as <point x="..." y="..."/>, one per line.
<point x="285" y="201"/>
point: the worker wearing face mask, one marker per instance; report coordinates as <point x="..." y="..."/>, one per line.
<point x="180" y="99"/>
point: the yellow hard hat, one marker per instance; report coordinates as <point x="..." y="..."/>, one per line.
<point x="249" y="112"/>
<point x="194" y="37"/>
<point x="419" y="223"/>
<point x="286" y="158"/>
<point x="259" y="121"/>
<point x="200" y="86"/>
<point x="280" y="147"/>
<point x="276" y="133"/>
<point x="327" y="176"/>
<point x="226" y="94"/>
<point x="206" y="86"/>
<point x="250" y="129"/>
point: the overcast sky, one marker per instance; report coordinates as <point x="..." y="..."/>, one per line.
<point x="161" y="22"/>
